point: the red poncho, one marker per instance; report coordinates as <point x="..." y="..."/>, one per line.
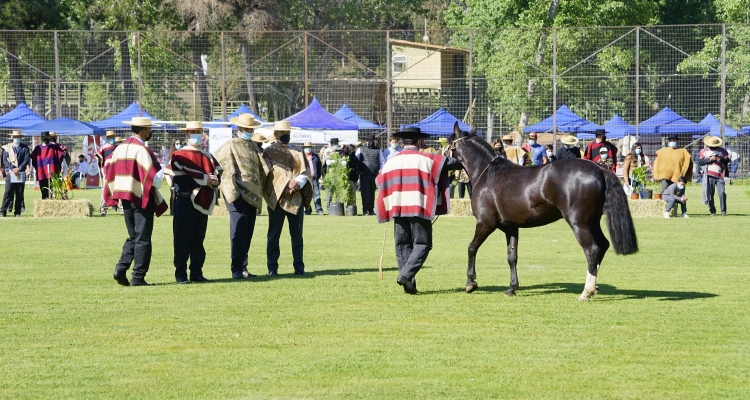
<point x="198" y="165"/>
<point x="130" y="176"/>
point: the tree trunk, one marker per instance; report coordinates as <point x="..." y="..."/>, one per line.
<point x="531" y="88"/>
<point x="125" y="72"/>
<point x="39" y="97"/>
<point x="251" y="98"/>
<point x="16" y="80"/>
<point x="196" y="45"/>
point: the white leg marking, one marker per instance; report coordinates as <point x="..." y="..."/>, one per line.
<point x="589" y="289"/>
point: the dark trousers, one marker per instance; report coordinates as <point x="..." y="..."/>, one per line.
<point x="315" y="199"/>
<point x="275" y="225"/>
<point x="716" y="185"/>
<point x="462" y="187"/>
<point x="665" y="184"/>
<point x="137" y="247"/>
<point x="241" y="226"/>
<point x="189" y="230"/>
<point x="413" y="237"/>
<point x="13" y="197"/>
<point x="367" y="191"/>
<point x="672" y="202"/>
<point x="44" y="187"/>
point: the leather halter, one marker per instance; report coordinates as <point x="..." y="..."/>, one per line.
<point x="452" y="148"/>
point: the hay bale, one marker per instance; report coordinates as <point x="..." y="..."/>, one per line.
<point x="461" y="208"/>
<point x="647" y="208"/>
<point x="220" y="210"/>
<point x="80" y="208"/>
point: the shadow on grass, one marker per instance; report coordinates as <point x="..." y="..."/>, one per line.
<point x="612" y="293"/>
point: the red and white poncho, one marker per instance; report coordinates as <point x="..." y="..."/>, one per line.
<point x="409" y="185"/>
<point x="130" y="176"/>
<point x="198" y="165"/>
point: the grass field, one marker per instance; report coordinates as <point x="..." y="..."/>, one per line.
<point x="670" y="322"/>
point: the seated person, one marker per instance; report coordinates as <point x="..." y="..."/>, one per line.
<point x="81" y="171"/>
<point x="675" y="193"/>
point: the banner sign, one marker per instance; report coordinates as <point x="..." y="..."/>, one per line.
<point x="217" y="137"/>
<point x="89" y="151"/>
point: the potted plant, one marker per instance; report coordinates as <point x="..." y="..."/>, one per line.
<point x="336" y="181"/>
<point x="639" y="183"/>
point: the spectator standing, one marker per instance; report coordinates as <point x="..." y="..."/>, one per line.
<point x="537" y="152"/>
<point x="464" y="184"/>
<point x="593" y="150"/>
<point x="47" y="159"/>
<point x="15" y="158"/>
<point x="604" y="161"/>
<point x="550" y="156"/>
<point x="715" y="162"/>
<point x="392" y="150"/>
<point x="242" y="188"/>
<point x="514" y="153"/>
<point x="672" y="163"/>
<point x="103" y="156"/>
<point x="369" y="157"/>
<point x="132" y="178"/>
<point x="635" y="159"/>
<point x="316" y="168"/>
<point x="569" y="148"/>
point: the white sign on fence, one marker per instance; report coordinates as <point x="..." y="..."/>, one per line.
<point x="217" y="137"/>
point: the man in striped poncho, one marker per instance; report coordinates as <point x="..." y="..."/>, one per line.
<point x="131" y="178"/>
<point x="413" y="189"/>
<point x="196" y="178"/>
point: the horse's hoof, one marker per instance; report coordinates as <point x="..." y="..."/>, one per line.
<point x="470" y="287"/>
<point x="510" y="293"/>
<point x="583" y="298"/>
<point x="596" y="290"/>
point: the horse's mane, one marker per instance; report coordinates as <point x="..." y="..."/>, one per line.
<point x="481" y="145"/>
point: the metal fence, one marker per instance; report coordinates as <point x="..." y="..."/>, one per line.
<point x="497" y="80"/>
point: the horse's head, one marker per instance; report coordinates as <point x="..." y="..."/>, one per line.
<point x="457" y="137"/>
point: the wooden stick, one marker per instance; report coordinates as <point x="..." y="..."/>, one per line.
<point x="382" y="250"/>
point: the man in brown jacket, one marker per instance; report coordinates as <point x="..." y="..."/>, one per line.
<point x="287" y="192"/>
<point x="671" y="163"/>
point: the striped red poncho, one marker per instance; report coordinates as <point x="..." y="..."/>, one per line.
<point x="47" y="160"/>
<point x="409" y="185"/>
<point x="130" y="176"/>
<point x="198" y="165"/>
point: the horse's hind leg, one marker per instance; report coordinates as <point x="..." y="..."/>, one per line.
<point x="594" y="255"/>
<point x="603" y="244"/>
<point x="511" y="238"/>
<point x="481" y="232"/>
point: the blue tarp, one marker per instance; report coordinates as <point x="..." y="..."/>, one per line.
<point x="667" y="121"/>
<point x="316" y="117"/>
<point x="64" y="127"/>
<point x="133" y="110"/>
<point x="567" y="121"/>
<point x="439" y="124"/>
<point x="615" y="128"/>
<point x="347" y="114"/>
<point x="242" y="109"/>
<point x="746" y="129"/>
<point x="715" y="126"/>
<point x="21" y="117"/>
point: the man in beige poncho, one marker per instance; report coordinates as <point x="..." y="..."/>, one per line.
<point x="242" y="188"/>
<point x="671" y="163"/>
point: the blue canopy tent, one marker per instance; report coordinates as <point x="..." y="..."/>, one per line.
<point x="615" y="128"/>
<point x="715" y="126"/>
<point x="439" y="123"/>
<point x="64" y="127"/>
<point x="746" y="129"/>
<point x="347" y="114"/>
<point x="317" y="125"/>
<point x="21" y="117"/>
<point x="242" y="109"/>
<point x="567" y="121"/>
<point x="667" y="121"/>
<point x="133" y="110"/>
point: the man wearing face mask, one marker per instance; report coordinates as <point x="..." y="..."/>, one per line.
<point x="46" y="159"/>
<point x="369" y="158"/>
<point x="604" y="161"/>
<point x="316" y="167"/>
<point x="513" y="153"/>
<point x="102" y="157"/>
<point x="287" y="192"/>
<point x="16" y="158"/>
<point x="715" y="162"/>
<point x="569" y="148"/>
<point x="331" y="148"/>
<point x="593" y="150"/>
<point x="392" y="150"/>
<point x="132" y="178"/>
<point x="242" y="188"/>
<point x="672" y="163"/>
<point x="537" y="152"/>
<point x="196" y="179"/>
<point x="675" y="194"/>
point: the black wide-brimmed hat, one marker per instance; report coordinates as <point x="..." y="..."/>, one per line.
<point x="334" y="141"/>
<point x="672" y="136"/>
<point x="600" y="132"/>
<point x="411" y="133"/>
<point x="370" y="137"/>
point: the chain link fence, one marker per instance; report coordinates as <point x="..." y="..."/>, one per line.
<point x="498" y="80"/>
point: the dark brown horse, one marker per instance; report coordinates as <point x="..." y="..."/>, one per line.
<point x="507" y="196"/>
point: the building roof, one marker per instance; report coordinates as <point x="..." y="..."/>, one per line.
<point x="427" y="46"/>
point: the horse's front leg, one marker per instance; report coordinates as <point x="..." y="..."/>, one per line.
<point x="511" y="238"/>
<point x="481" y="232"/>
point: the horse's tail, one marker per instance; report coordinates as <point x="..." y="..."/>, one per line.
<point x="619" y="220"/>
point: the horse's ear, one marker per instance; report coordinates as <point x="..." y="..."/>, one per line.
<point x="473" y="131"/>
<point x="456" y="129"/>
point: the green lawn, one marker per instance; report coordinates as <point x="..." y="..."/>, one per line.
<point x="670" y="322"/>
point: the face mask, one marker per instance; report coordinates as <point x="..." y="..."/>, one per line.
<point x="549" y="153"/>
<point x="16" y="141"/>
<point x="45" y="141"/>
<point x="195" y="139"/>
<point x="508" y="144"/>
<point x="307" y="150"/>
<point x="637" y="151"/>
<point x="567" y="146"/>
<point x="532" y="142"/>
<point x="603" y="156"/>
<point x="111" y="141"/>
<point x="335" y="147"/>
<point x="285" y="138"/>
<point x="673" y="144"/>
<point x="498" y="148"/>
<point x="147" y="138"/>
<point x="246" y="136"/>
<point x="177" y="146"/>
<point x="394" y="145"/>
<point x="681" y="187"/>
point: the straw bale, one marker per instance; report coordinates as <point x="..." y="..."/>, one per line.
<point x="79" y="208"/>
<point x="461" y="208"/>
<point x="647" y="208"/>
<point x="220" y="209"/>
